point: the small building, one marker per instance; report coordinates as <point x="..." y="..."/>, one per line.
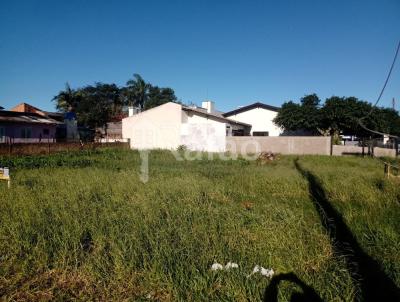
<point x="260" y="116"/>
<point x="67" y="128"/>
<point x="110" y="132"/>
<point x="27" y="108"/>
<point x="26" y="127"/>
<point x="171" y="125"/>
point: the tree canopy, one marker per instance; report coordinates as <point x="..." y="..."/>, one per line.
<point x="338" y="115"/>
<point x="97" y="104"/>
<point x="304" y="116"/>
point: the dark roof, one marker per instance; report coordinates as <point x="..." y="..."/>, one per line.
<point x="252" y="106"/>
<point x="216" y="115"/>
<point x="54" y="113"/>
<point x="25" y="117"/>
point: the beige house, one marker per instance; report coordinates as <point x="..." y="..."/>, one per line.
<point x="171" y="125"/>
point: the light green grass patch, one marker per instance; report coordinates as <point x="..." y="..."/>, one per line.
<point x="83" y="226"/>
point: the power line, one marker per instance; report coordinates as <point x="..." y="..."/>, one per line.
<point x="376" y="132"/>
<point x="380" y="96"/>
<point x="389" y="74"/>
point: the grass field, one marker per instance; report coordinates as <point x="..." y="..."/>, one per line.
<point x="82" y="226"/>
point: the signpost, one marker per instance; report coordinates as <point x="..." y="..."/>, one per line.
<point x="5" y="175"/>
<point x="389" y="170"/>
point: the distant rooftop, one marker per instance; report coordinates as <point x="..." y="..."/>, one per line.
<point x="251" y="106"/>
<point x="216" y="115"/>
<point x="27" y="108"/>
<point x="25" y="117"/>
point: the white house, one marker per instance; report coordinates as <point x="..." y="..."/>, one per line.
<point x="260" y="116"/>
<point x="170" y="125"/>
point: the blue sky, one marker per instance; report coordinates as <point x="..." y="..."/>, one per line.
<point x="232" y="52"/>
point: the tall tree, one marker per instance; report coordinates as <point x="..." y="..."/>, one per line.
<point x="136" y="92"/>
<point x="385" y="120"/>
<point x="158" y="96"/>
<point x="94" y="105"/>
<point x="66" y="98"/>
<point x="304" y="116"/>
<point x="99" y="103"/>
<point x="338" y="115"/>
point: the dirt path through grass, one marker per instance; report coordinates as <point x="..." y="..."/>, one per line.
<point x="373" y="283"/>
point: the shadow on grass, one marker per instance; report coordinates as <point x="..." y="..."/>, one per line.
<point x="374" y="284"/>
<point x="308" y="294"/>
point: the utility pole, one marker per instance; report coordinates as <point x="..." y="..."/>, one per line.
<point x="394" y="104"/>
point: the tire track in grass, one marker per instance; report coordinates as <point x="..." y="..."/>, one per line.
<point x="373" y="283"/>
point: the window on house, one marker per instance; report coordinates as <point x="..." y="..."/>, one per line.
<point x="26" y="132"/>
<point x="2" y="134"/>
<point x="260" y="133"/>
<point x="228" y="130"/>
<point x="239" y="132"/>
<point x="46" y="131"/>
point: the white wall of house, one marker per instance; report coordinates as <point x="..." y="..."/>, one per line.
<point x="202" y="133"/>
<point x="261" y="120"/>
<point x="168" y="126"/>
<point x="156" y="128"/>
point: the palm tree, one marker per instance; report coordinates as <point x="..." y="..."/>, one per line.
<point x="66" y="99"/>
<point x="137" y="91"/>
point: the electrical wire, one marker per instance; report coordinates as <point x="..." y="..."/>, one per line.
<point x="380" y="96"/>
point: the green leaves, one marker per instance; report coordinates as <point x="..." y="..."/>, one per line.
<point x="145" y="96"/>
<point x="337" y="115"/>
<point x="304" y="116"/>
<point x="97" y="104"/>
<point x="137" y="91"/>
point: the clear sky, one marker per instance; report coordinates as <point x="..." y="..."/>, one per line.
<point x="232" y="52"/>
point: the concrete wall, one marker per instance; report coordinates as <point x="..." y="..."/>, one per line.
<point x="260" y="119"/>
<point x="339" y="150"/>
<point x="283" y="144"/>
<point x="113" y="130"/>
<point x="379" y="152"/>
<point x="156" y="128"/>
<point x="347" y="150"/>
<point x="200" y="133"/>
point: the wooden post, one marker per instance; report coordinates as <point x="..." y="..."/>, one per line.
<point x="370" y="152"/>
<point x="387" y="170"/>
<point x="372" y="147"/>
<point x="363" y="147"/>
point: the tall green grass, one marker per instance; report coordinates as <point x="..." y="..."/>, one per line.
<point x="82" y="226"/>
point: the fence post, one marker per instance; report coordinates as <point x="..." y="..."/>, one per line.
<point x="386" y="170"/>
<point x="372" y="147"/>
<point x="363" y="147"/>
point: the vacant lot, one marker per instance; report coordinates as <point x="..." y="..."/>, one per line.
<point x="82" y="226"/>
